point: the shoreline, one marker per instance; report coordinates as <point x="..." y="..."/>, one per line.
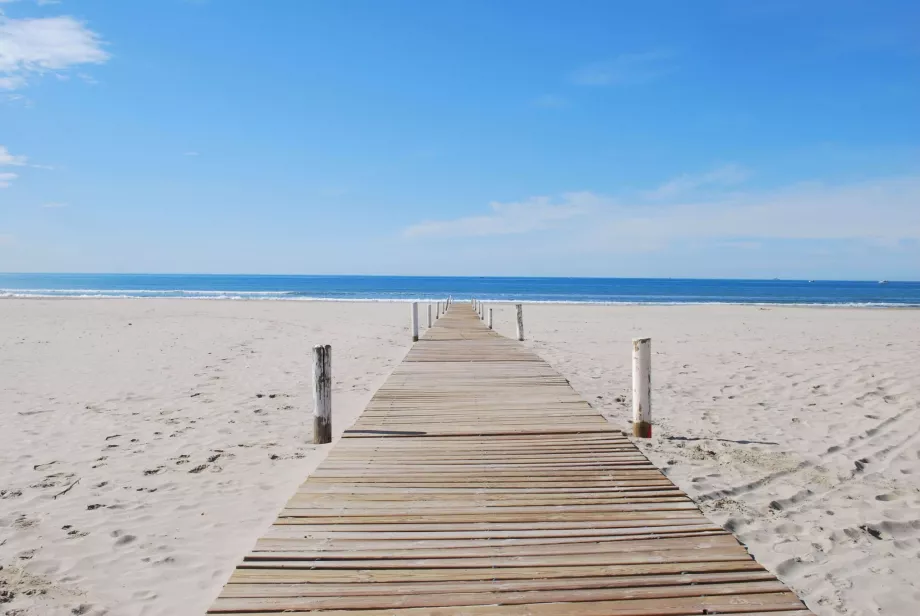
<point x="497" y="302"/>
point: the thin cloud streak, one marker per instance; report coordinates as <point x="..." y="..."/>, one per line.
<point x="550" y="101"/>
<point x="514" y="218"/>
<point x="726" y="175"/>
<point x="626" y="69"/>
<point x="6" y="179"/>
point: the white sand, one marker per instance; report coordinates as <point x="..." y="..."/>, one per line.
<point x="762" y="414"/>
<point x="153" y="405"/>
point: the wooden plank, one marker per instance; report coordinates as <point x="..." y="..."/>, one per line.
<point x="543" y="527"/>
<point x="478" y="482"/>
<point x="777" y="604"/>
<point x="463" y="599"/>
<point x="295" y="547"/>
<point x="282" y="561"/>
<point x="245" y="575"/>
<point x="313" y="589"/>
<point x="425" y="532"/>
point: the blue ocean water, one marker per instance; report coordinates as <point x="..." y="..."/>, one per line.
<point x="575" y="290"/>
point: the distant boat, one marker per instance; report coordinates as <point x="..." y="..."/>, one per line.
<point x="883" y="282"/>
<point x="811" y="281"/>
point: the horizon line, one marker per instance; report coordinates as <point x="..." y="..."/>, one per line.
<point x="467" y="276"/>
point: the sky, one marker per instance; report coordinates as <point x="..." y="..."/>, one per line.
<point x="725" y="139"/>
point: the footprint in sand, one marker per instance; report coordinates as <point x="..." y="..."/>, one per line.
<point x="125" y="540"/>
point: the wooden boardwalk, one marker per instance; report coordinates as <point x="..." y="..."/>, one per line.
<point x="479" y="482"/>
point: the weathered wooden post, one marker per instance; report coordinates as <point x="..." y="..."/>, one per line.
<point x="437" y="313"/>
<point x="429" y="315"/>
<point x="322" y="394"/>
<point x="490" y="318"/>
<point x="414" y="321"/>
<point x="642" y="387"/>
<point x="482" y="311"/>
<point x="520" y="321"/>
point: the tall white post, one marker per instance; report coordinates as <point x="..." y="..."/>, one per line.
<point x="438" y="312"/>
<point x="429" y="315"/>
<point x="520" y="321"/>
<point x="490" y="318"/>
<point x="322" y="394"/>
<point x="642" y="387"/>
<point x="414" y="321"/>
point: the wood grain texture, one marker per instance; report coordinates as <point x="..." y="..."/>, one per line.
<point x="478" y="482"/>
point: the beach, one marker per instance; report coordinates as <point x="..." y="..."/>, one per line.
<point x="148" y="442"/>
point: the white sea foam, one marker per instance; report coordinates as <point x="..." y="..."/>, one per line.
<point x="291" y="296"/>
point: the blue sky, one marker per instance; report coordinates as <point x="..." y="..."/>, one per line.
<point x="685" y="139"/>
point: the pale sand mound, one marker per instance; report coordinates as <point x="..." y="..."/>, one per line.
<point x="797" y="428"/>
<point x="187" y="425"/>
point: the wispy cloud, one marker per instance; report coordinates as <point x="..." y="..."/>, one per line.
<point x="626" y="69"/>
<point x="550" y="101"/>
<point x="533" y="214"/>
<point x="720" y="177"/>
<point x="34" y="47"/>
<point x="190" y="153"/>
<point x="8" y="159"/>
<point x="884" y="210"/>
<point x="880" y="212"/>
<point x="6" y="179"/>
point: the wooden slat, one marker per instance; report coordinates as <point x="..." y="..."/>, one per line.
<point x="659" y="606"/>
<point x="478" y="482"/>
<point x="633" y="571"/>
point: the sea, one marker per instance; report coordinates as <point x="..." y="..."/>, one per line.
<point x="662" y="291"/>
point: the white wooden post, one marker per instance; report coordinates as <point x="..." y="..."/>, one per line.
<point x="437" y="313"/>
<point x="642" y="387"/>
<point x="414" y="321"/>
<point x="429" y="315"/>
<point x="490" y="318"/>
<point x="520" y="321"/>
<point x="322" y="394"/>
<point x="482" y="311"/>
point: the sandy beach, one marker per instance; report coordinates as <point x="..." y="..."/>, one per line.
<point x="147" y="443"/>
